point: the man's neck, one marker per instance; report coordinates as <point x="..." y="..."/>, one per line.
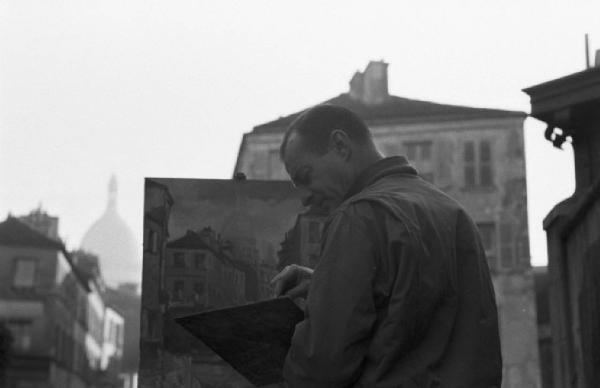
<point x="366" y="160"/>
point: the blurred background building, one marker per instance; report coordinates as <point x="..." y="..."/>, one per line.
<point x="65" y="333"/>
<point x="476" y="155"/>
<point x="70" y="322"/>
<point x="113" y="241"/>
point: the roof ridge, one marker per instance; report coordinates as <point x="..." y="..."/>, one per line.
<point x="398" y="108"/>
<point x="15" y="232"/>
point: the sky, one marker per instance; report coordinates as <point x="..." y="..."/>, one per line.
<point x="167" y="88"/>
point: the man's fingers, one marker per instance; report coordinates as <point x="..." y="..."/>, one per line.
<point x="292" y="277"/>
<point x="282" y="280"/>
<point x="300" y="291"/>
<point x="301" y="303"/>
<point x="281" y="274"/>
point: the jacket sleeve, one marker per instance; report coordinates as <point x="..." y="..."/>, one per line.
<point x="329" y="346"/>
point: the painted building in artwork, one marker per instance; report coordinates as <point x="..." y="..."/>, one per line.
<point x="199" y="274"/>
<point x="55" y="310"/>
<point x="157" y="209"/>
<point x="265" y="272"/>
<point x="476" y="155"/>
<point x="302" y="243"/>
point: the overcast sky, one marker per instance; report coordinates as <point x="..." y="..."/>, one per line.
<point x="167" y="88"/>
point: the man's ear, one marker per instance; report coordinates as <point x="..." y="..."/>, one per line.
<point x="340" y="143"/>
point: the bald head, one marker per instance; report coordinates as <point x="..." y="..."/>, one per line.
<point x="315" y="126"/>
<point x="324" y="150"/>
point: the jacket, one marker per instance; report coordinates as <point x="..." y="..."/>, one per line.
<point x="402" y="294"/>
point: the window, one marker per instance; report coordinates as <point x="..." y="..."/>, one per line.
<point x="112" y="332"/>
<point x="209" y="263"/>
<point x="24" y="273"/>
<point x="313" y="232"/>
<point x="426" y="150"/>
<point x="418" y="150"/>
<point x="153" y="241"/>
<point x="198" y="292"/>
<point x="391" y="149"/>
<point x="154" y="319"/>
<point x="178" y="290"/>
<point x="119" y="336"/>
<point x="275" y="166"/>
<point x="179" y="260"/>
<point x="485" y="164"/>
<point x="487" y="230"/>
<point x="507" y="254"/>
<point x="199" y="260"/>
<point x="21" y="332"/>
<point x="411" y="151"/>
<point x="478" y="165"/>
<point x="469" y="159"/>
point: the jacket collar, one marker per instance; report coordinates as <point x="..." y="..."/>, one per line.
<point x="380" y="169"/>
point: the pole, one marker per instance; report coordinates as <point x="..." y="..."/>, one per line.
<point x="587" y="52"/>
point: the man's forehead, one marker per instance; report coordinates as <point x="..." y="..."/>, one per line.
<point x="294" y="153"/>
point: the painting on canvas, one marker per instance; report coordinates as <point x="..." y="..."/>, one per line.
<point x="211" y="244"/>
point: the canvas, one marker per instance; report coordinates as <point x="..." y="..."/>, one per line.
<point x="211" y="244"/>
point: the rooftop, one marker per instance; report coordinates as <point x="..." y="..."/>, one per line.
<point x="369" y="98"/>
<point x="15" y="233"/>
<point x="396" y="109"/>
<point x="191" y="240"/>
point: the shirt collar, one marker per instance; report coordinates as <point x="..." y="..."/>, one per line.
<point x="378" y="170"/>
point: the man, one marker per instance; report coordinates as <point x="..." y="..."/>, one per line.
<point x="402" y="295"/>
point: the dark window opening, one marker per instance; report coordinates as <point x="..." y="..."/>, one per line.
<point x="179" y="260"/>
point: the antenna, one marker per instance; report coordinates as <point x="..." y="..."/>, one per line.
<point x="587" y="52"/>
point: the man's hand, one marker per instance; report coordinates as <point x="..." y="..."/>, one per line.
<point x="292" y="281"/>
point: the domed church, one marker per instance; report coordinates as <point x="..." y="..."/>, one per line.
<point x="113" y="241"/>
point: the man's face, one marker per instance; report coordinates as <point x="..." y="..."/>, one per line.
<point x="324" y="179"/>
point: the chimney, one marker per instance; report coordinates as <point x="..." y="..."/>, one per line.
<point x="597" y="59"/>
<point x="42" y="222"/>
<point x="370" y="86"/>
<point x="356" y="86"/>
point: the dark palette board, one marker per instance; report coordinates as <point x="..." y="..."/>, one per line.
<point x="254" y="338"/>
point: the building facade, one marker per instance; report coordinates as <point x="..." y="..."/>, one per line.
<point x="475" y="155"/>
<point x="302" y="243"/>
<point x="570" y="106"/>
<point x="53" y="309"/>
<point x="198" y="273"/>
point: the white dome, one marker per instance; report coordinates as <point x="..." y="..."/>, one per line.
<point x="113" y="241"/>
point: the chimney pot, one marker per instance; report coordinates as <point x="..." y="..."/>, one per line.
<point x="370" y="86"/>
